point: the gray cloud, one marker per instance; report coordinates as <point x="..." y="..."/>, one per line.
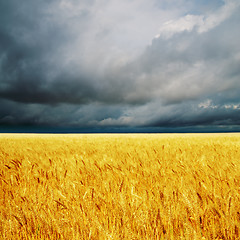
<point x="189" y="64"/>
<point x="97" y="63"/>
<point x="195" y="116"/>
<point x="44" y="60"/>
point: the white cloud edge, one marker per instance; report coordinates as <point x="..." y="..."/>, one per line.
<point x="202" y="23"/>
<point x="208" y="104"/>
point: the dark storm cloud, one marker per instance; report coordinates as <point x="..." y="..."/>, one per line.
<point x="33" y="67"/>
<point x="13" y="113"/>
<point x="87" y="63"/>
<point x="34" y="45"/>
<point x="31" y="70"/>
<point x="213" y="116"/>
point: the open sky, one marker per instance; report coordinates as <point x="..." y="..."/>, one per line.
<point x="120" y="65"/>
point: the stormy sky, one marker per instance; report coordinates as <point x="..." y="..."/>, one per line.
<point x="129" y="65"/>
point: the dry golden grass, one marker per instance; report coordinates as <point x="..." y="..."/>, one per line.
<point x="142" y="186"/>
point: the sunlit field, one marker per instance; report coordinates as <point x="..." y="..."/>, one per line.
<point x="120" y="186"/>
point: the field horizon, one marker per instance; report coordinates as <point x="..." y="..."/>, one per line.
<point x="120" y="186"/>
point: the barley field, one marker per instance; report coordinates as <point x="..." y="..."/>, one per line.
<point x="120" y="186"/>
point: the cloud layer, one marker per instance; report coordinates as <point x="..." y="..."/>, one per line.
<point x="104" y="63"/>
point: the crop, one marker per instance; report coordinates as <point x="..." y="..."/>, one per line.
<point x="120" y="186"/>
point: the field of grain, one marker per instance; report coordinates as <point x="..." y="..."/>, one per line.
<point x="120" y="186"/>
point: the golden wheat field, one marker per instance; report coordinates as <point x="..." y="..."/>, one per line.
<point x="120" y="186"/>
